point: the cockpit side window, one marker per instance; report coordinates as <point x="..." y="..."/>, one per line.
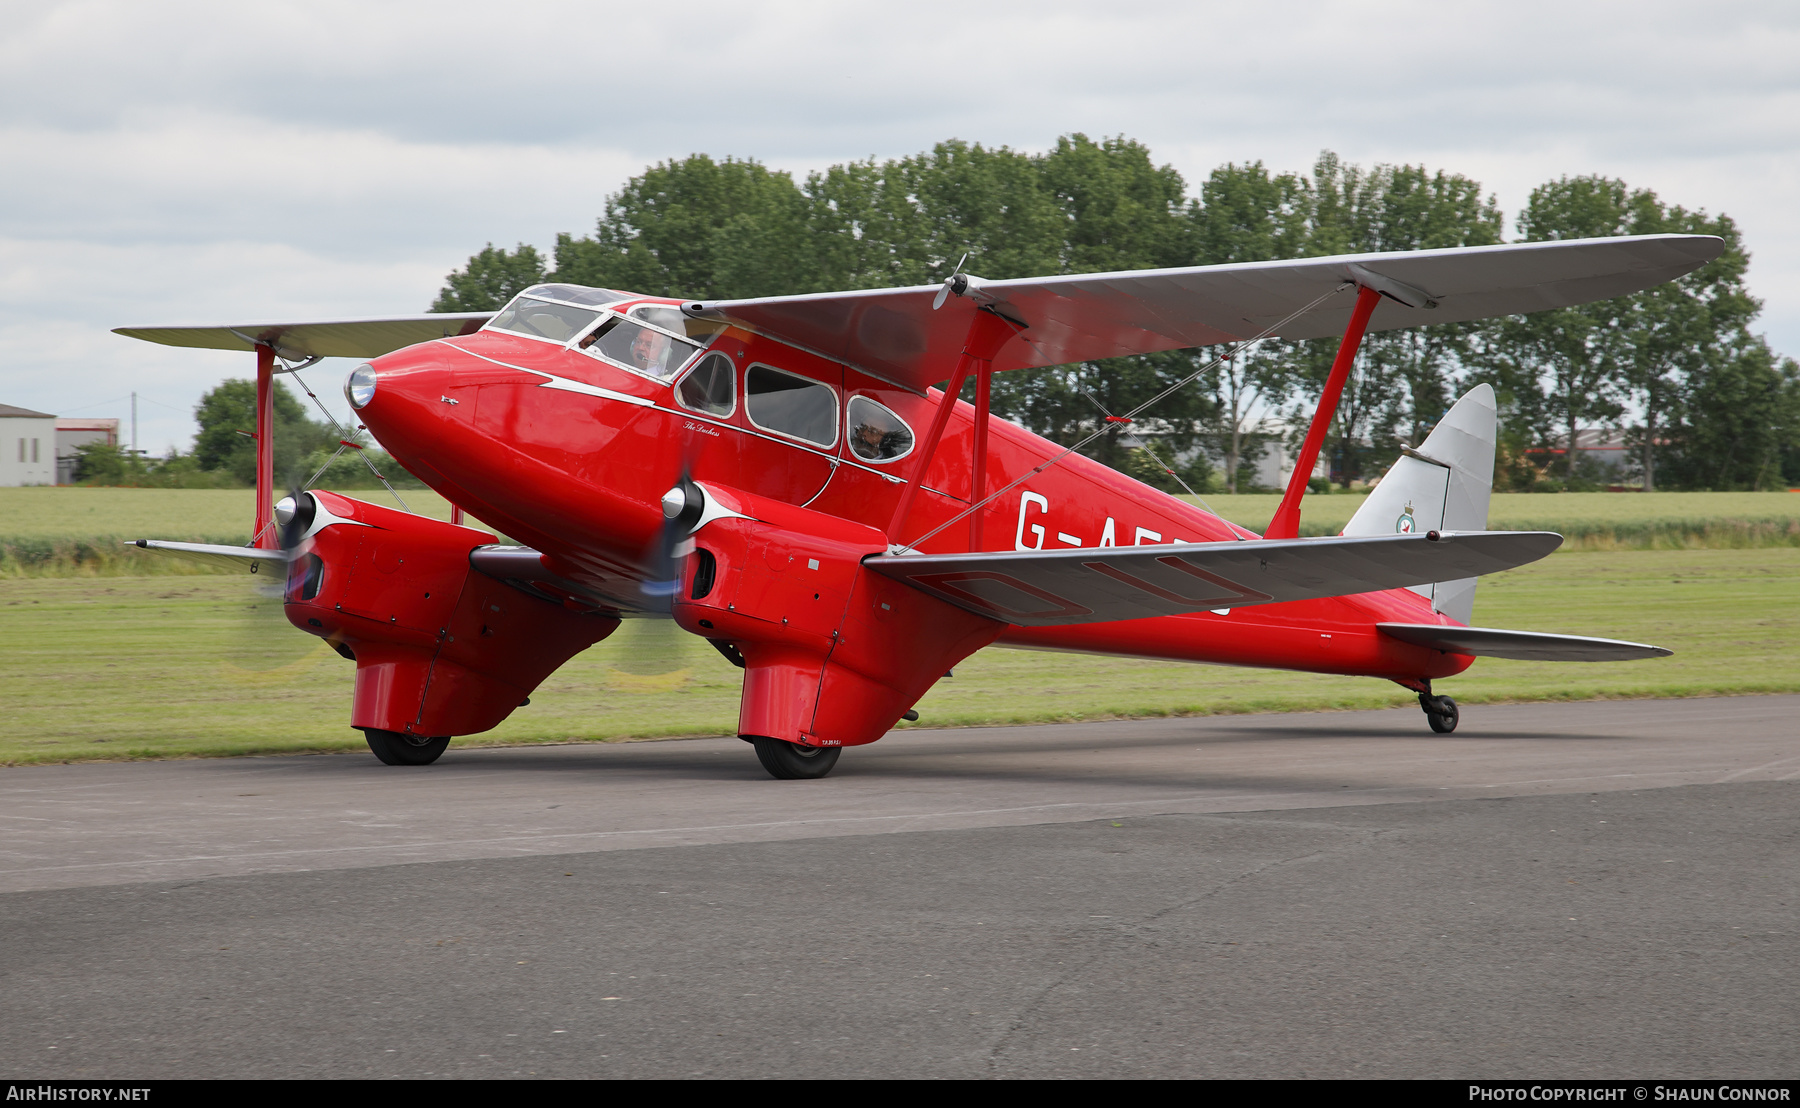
<point x="669" y="318"/>
<point x="638" y="348"/>
<point x="876" y="433"/>
<point x="709" y="387"/>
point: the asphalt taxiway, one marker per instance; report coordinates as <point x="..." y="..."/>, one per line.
<point x="1555" y="890"/>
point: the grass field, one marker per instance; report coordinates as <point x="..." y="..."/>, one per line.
<point x="149" y="667"/>
<point x="81" y="531"/>
<point x="1588" y="520"/>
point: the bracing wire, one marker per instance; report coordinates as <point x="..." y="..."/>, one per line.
<point x="1144" y="445"/>
<point x="1107" y="426"/>
<point x="342" y="444"/>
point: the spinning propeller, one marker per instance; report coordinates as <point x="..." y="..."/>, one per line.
<point x="651" y="652"/>
<point x="265" y="649"/>
<point x="957" y="282"/>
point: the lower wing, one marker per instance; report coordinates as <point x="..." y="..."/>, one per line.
<point x="1047" y="588"/>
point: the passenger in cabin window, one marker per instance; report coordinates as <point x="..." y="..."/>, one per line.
<point x="877" y="435"/>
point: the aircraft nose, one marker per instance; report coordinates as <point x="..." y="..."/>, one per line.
<point x="408" y="397"/>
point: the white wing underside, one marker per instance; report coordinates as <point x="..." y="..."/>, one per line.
<point x="344" y="338"/>
<point x="895" y="334"/>
<point x="1052" y="588"/>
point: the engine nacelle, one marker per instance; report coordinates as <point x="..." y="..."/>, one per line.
<point x="833" y="653"/>
<point x="440" y="648"/>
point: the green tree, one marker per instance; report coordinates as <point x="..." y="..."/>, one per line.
<point x="1741" y="415"/>
<point x="1674" y="350"/>
<point x="102" y="463"/>
<point x="491" y="278"/>
<point x="1678" y="333"/>
<point x="1247" y="215"/>
<point x="1402" y="381"/>
<point x="229" y="409"/>
<point x="697" y="228"/>
<point x="1118" y="211"/>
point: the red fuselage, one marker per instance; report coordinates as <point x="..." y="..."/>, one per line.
<point x="571" y="454"/>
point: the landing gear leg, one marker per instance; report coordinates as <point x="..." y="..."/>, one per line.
<point x="787" y="761"/>
<point x="1440" y="712"/>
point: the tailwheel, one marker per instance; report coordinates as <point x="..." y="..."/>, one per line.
<point x="1440" y="712"/>
<point x="396" y="749"/>
<point x="787" y="761"/>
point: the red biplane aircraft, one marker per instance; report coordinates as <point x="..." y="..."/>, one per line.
<point x="780" y="477"/>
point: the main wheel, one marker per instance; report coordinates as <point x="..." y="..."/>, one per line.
<point x="787" y="761"/>
<point x="396" y="749"/>
<point x="1443" y="719"/>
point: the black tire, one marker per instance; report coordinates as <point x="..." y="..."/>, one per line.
<point x="1443" y="720"/>
<point x="396" y="749"/>
<point x="787" y="761"/>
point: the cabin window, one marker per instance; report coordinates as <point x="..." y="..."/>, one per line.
<point x="541" y="319"/>
<point x="709" y="387"/>
<point x="791" y="405"/>
<point x="639" y="348"/>
<point x="876" y="434"/>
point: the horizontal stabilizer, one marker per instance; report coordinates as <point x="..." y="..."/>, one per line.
<point x="1047" y="588"/>
<point x="246" y="559"/>
<point x="344" y="338"/>
<point x="1529" y="646"/>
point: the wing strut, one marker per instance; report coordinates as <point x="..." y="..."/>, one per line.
<point x="1286" y="524"/>
<point x="263" y="535"/>
<point x="988" y="332"/>
<point x="984" y="382"/>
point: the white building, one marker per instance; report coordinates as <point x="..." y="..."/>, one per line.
<point x="27" y="447"/>
<point x="1275" y="469"/>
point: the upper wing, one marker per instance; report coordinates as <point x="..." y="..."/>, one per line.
<point x="1046" y="588"/>
<point x="344" y="338"/>
<point x="1535" y="646"/>
<point x="894" y="333"/>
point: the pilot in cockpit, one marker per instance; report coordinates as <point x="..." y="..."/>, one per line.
<point x="649" y="350"/>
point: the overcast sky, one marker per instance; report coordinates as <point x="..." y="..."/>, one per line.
<point x="198" y="162"/>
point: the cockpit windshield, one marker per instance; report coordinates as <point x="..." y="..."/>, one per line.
<point x="542" y="319"/>
<point x="554" y="312"/>
<point x="580" y="295"/>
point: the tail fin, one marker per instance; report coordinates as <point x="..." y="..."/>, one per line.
<point x="1444" y="485"/>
